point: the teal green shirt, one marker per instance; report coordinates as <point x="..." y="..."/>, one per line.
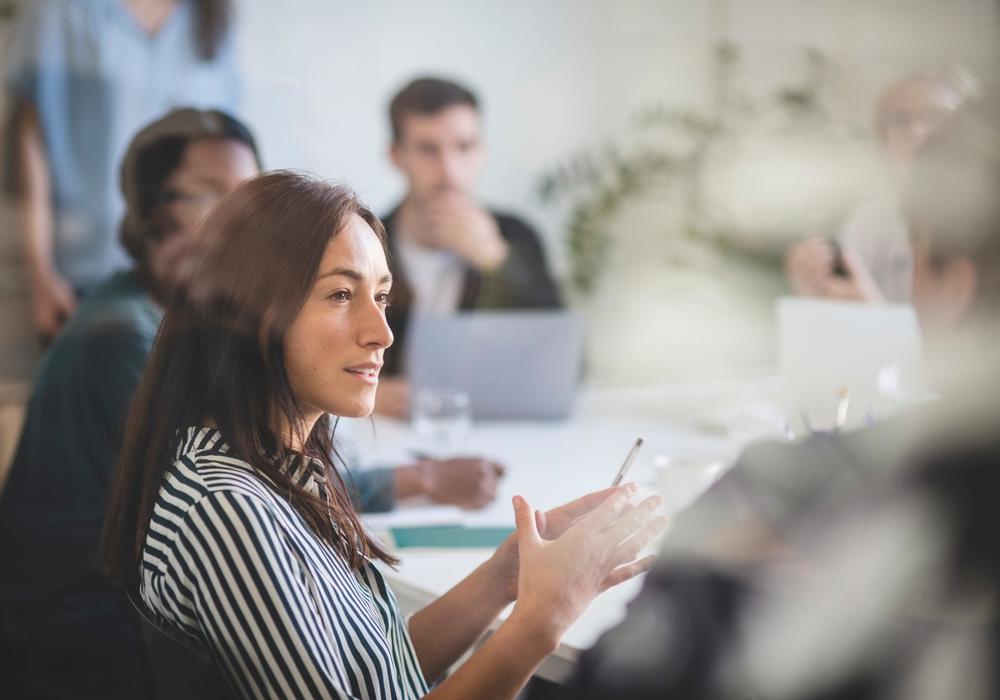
<point x="53" y="602"/>
<point x="53" y="505"/>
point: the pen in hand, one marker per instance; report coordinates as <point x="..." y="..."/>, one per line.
<point x="627" y="464"/>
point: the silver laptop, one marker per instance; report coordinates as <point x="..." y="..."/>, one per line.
<point x="512" y="364"/>
<point x="871" y="351"/>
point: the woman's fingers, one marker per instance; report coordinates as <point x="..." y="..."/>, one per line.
<point x="541" y="523"/>
<point x="626" y="571"/>
<point x="581" y="506"/>
<point x="608" y="512"/>
<point x="629" y="522"/>
<point x="633" y="546"/>
<point x="527" y="526"/>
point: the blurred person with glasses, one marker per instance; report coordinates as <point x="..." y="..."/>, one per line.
<point x="871" y="259"/>
<point x="64" y="631"/>
<point x="861" y="565"/>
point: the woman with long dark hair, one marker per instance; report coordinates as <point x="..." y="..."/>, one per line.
<point x="228" y="516"/>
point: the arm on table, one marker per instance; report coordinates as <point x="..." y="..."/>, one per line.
<point x="469" y="482"/>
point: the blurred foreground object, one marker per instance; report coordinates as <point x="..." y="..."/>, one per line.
<point x="857" y="566"/>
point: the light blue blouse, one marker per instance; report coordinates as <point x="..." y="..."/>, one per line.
<point x="96" y="78"/>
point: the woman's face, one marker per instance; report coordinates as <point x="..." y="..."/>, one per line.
<point x="333" y="350"/>
<point x="210" y="169"/>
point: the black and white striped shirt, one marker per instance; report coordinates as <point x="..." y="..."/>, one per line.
<point x="231" y="564"/>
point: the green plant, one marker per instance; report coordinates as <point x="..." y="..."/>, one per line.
<point x="667" y="149"/>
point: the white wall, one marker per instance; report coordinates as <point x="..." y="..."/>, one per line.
<point x="551" y="75"/>
<point x="556" y="74"/>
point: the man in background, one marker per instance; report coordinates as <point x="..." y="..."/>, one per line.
<point x="448" y="251"/>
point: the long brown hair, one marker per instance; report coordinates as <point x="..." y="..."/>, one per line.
<point x="219" y="355"/>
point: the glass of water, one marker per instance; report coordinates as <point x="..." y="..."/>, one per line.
<point x="442" y="417"/>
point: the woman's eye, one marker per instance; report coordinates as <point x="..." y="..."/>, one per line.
<point x="340" y="295"/>
<point x="384" y="298"/>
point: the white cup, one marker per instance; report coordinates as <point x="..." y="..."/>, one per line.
<point x="681" y="480"/>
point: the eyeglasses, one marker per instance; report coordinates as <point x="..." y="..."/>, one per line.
<point x="909" y="121"/>
<point x="199" y="199"/>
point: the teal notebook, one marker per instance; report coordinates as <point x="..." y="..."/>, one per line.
<point x="449" y="536"/>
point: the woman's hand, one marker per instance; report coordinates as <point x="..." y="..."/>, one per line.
<point x="558" y="577"/>
<point x="566" y="557"/>
<point x="467" y="482"/>
<point x="810" y="264"/>
<point x="551" y="524"/>
<point x="53" y="302"/>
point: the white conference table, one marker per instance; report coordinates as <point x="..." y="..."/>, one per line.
<point x="553" y="462"/>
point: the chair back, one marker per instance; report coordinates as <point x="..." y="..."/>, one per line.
<point x="179" y="667"/>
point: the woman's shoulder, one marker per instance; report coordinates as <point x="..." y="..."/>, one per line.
<point x="206" y="473"/>
<point x="206" y="490"/>
<point x="204" y="464"/>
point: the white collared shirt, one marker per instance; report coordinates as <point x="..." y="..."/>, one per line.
<point x="877" y="233"/>
<point x="435" y="276"/>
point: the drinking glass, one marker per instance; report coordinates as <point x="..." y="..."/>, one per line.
<point x="442" y="417"/>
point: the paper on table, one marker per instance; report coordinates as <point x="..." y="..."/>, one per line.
<point x="412" y="516"/>
<point x="416" y="515"/>
<point x="491" y="516"/>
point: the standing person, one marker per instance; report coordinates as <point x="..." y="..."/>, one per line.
<point x="450" y="252"/>
<point x="876" y="259"/>
<point x="226" y="513"/>
<point x="82" y="78"/>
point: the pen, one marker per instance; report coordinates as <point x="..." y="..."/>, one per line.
<point x="842" y="403"/>
<point x="627" y="463"/>
<point x="499" y="469"/>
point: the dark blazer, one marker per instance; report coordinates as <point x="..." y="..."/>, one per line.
<point x="522" y="282"/>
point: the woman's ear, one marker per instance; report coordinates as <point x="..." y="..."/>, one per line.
<point x="958" y="287"/>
